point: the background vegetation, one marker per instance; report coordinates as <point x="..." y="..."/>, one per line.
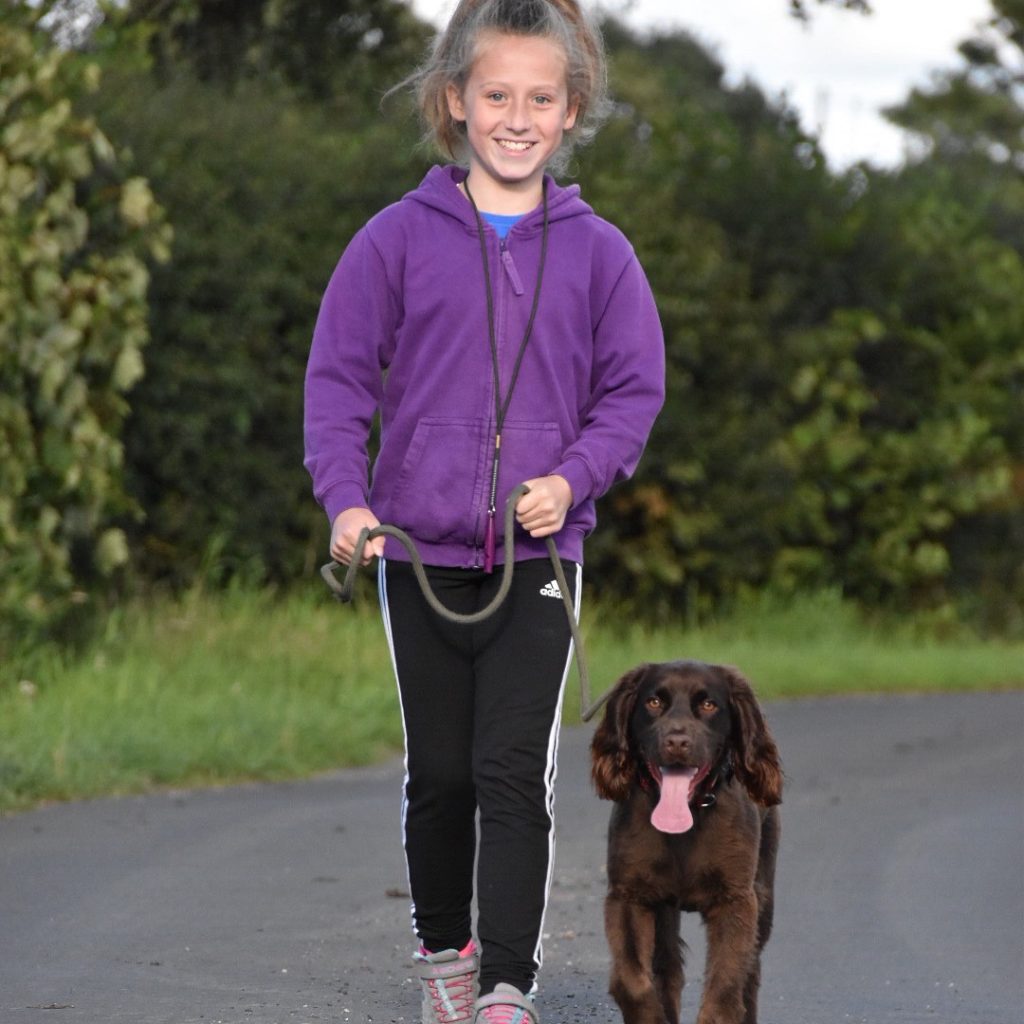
<point x="846" y="366"/>
<point x="75" y="230"/>
<point x="234" y="684"/>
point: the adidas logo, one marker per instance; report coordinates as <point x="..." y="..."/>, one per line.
<point x="551" y="589"/>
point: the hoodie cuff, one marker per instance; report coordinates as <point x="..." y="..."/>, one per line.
<point x="341" y="497"/>
<point x="576" y="472"/>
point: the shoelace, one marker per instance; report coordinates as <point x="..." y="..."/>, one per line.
<point x="503" y="1014"/>
<point x="452" y="999"/>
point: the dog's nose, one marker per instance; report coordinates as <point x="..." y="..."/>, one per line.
<point x="676" y="744"/>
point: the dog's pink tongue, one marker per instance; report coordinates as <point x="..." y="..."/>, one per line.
<point x="673" y="811"/>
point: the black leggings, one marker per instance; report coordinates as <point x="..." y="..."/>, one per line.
<point x="481" y="707"/>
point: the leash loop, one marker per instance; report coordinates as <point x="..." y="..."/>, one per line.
<point x="344" y="590"/>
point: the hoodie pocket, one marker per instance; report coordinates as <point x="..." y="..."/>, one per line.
<point x="438" y="495"/>
<point x="528" y="450"/>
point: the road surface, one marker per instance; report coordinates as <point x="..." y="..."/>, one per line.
<point x="900" y="891"/>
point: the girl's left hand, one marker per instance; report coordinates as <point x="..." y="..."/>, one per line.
<point x="542" y="512"/>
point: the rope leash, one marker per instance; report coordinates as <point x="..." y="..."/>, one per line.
<point x="345" y="590"/>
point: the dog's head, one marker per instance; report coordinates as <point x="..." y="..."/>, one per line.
<point x="684" y="717"/>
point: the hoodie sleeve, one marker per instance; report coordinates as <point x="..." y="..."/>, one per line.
<point x="344" y="375"/>
<point x="627" y="389"/>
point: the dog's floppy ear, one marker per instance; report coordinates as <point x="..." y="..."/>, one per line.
<point x="757" y="763"/>
<point x="612" y="765"/>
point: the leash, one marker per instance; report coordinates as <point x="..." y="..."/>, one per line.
<point x="344" y="591"/>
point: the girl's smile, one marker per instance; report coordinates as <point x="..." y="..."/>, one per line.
<point x="516" y="108"/>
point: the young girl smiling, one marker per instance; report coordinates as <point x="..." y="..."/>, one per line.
<point x="505" y="334"/>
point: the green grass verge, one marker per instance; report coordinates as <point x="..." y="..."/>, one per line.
<point x="218" y="688"/>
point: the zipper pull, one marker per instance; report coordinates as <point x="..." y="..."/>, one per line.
<point x="510" y="268"/>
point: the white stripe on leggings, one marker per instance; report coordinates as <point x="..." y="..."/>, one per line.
<point x="551" y="773"/>
<point x="382" y="591"/>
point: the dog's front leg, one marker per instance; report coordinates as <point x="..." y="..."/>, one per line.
<point x="668" y="960"/>
<point x="630" y="929"/>
<point x="732" y="955"/>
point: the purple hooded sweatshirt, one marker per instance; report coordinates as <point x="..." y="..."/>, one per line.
<point x="403" y="328"/>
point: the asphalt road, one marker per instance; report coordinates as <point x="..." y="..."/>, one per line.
<point x="900" y="895"/>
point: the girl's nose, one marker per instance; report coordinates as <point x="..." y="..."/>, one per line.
<point x="517" y="117"/>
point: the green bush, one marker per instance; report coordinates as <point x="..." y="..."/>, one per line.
<point x="844" y="360"/>
<point x="264" y="192"/>
<point x="75" y="232"/>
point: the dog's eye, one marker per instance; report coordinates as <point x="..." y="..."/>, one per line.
<point x="655" y="703"/>
<point x="707" y="705"/>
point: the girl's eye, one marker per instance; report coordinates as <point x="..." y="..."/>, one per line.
<point x="496" y="97"/>
<point x="542" y="100"/>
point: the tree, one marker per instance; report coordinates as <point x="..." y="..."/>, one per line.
<point x="75" y="233"/>
<point x="740" y="227"/>
<point x="800" y="9"/>
<point x="841" y="353"/>
<point x="969" y="127"/>
<point x="977" y="110"/>
<point x="329" y="50"/>
<point x="265" y="186"/>
<point x="839" y="410"/>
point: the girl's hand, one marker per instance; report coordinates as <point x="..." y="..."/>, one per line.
<point x="542" y="512"/>
<point x="345" y="532"/>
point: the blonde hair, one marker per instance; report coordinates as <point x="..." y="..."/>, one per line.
<point x="455" y="50"/>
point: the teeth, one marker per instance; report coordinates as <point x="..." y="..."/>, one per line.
<point x="517" y="147"/>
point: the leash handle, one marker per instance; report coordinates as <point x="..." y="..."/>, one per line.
<point x="344" y="590"/>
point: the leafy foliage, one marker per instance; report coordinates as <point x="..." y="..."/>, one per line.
<point x="74" y="235"/>
<point x="264" y="189"/>
<point x="845" y="372"/>
<point x="844" y="356"/>
<point x="800" y="8"/>
<point x="969" y="125"/>
<point x="977" y="109"/>
<point x="325" y="49"/>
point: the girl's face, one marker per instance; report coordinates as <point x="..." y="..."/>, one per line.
<point x="516" y="107"/>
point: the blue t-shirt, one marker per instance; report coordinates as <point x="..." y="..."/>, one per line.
<point x="502" y="222"/>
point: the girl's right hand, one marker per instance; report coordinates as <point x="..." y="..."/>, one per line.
<point x="345" y="532"/>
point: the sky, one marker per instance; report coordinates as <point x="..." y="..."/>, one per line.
<point x="838" y="72"/>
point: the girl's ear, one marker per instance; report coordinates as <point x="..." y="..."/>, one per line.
<point x="455" y="105"/>
<point x="571" y="113"/>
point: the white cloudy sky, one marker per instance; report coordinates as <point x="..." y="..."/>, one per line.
<point x="837" y="72"/>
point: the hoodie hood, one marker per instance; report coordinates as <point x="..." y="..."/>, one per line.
<point x="440" y="191"/>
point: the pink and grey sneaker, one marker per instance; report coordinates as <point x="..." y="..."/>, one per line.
<point x="449" y="981"/>
<point x="505" y="1005"/>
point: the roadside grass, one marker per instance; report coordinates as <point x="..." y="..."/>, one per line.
<point x="812" y="645"/>
<point x="215" y="688"/>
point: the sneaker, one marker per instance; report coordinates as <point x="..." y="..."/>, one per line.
<point x="449" y="981"/>
<point x="505" y="1005"/>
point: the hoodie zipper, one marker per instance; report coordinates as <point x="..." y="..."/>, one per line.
<point x="501" y="307"/>
<point x="502" y="402"/>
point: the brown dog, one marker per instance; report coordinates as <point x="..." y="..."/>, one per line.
<point x="685" y="752"/>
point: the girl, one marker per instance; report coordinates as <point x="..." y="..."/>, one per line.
<point x="506" y="334"/>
